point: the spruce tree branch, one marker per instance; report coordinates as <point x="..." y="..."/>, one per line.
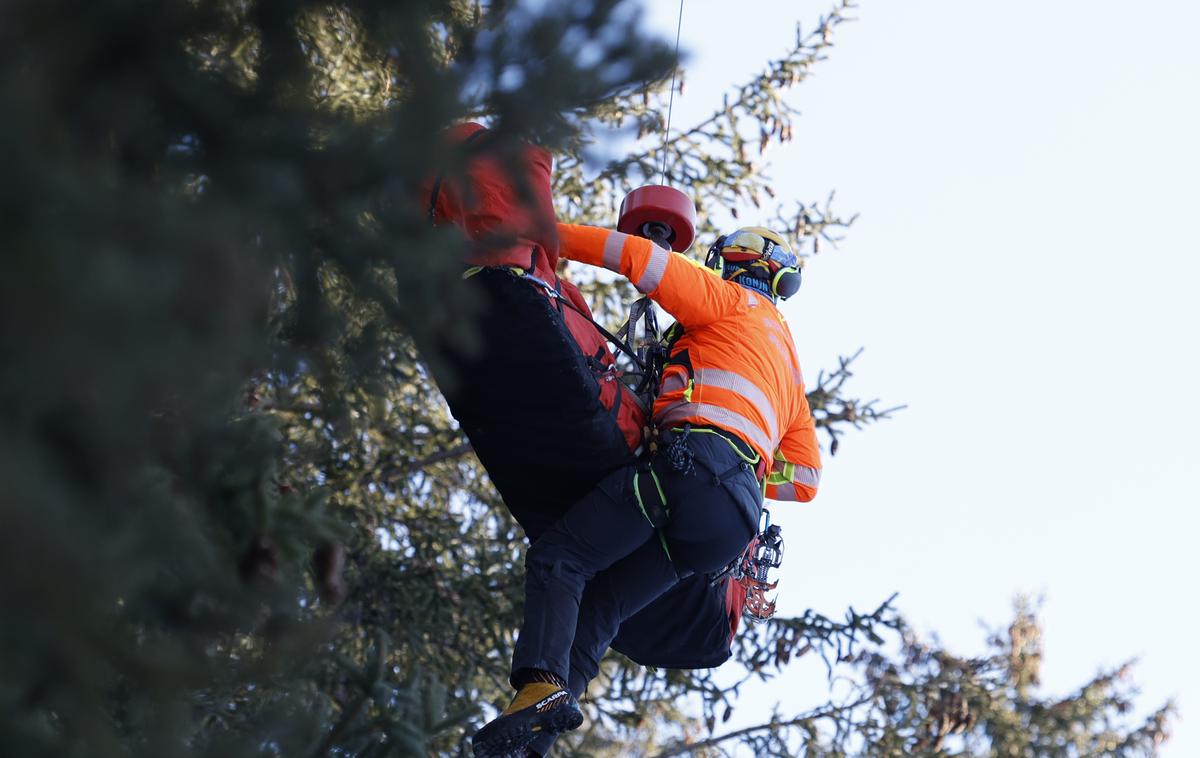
<point x="788" y="71"/>
<point x="366" y="678"/>
<point x="828" y="711"/>
<point x="460" y="450"/>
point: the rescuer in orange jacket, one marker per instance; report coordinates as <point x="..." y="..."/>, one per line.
<point x="733" y="423"/>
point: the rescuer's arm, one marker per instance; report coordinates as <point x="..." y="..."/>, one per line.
<point x="691" y="293"/>
<point x="797" y="467"/>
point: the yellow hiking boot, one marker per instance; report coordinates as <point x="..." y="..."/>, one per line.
<point x="539" y="708"/>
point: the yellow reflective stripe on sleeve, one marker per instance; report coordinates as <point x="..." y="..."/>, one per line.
<point x="613" y="244"/>
<point x="782" y="466"/>
<point x="655" y="268"/>
<point x="784" y="472"/>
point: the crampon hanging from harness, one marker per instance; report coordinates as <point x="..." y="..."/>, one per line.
<point x="751" y="571"/>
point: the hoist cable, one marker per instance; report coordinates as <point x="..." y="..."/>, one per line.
<point x="671" y="103"/>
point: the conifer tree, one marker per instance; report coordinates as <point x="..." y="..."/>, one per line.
<point x="237" y="518"/>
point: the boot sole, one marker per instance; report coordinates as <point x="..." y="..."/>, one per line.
<point x="511" y="742"/>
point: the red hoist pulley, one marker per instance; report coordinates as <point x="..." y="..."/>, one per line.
<point x="661" y="214"/>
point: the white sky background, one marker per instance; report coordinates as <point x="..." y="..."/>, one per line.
<point x="1022" y="276"/>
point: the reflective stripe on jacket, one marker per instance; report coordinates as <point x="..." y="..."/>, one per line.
<point x="744" y="375"/>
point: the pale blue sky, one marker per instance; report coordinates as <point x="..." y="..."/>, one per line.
<point x="1022" y="276"/>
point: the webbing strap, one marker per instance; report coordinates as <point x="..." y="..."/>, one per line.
<point x="663" y="508"/>
<point x="473" y="270"/>
<point x="753" y="461"/>
<point x="554" y="294"/>
<point x="651" y="350"/>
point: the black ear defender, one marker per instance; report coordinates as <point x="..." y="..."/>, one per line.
<point x="786" y="282"/>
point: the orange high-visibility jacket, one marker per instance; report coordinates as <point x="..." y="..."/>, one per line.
<point x="744" y="378"/>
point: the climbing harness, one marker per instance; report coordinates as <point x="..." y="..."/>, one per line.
<point x="676" y="453"/>
<point x="752" y="568"/>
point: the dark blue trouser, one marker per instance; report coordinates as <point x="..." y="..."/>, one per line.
<point x="606" y="545"/>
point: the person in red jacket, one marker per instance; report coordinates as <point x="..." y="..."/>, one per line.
<point x="733" y="424"/>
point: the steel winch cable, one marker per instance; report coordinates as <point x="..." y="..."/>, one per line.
<point x="671" y="103"/>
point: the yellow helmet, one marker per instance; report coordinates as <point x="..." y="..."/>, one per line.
<point x="759" y="259"/>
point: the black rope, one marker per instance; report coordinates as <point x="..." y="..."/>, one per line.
<point x="679" y="453"/>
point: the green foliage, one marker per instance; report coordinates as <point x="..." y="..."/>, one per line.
<point x="205" y="354"/>
<point x="216" y="264"/>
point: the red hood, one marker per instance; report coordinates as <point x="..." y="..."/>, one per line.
<point x="493" y="206"/>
